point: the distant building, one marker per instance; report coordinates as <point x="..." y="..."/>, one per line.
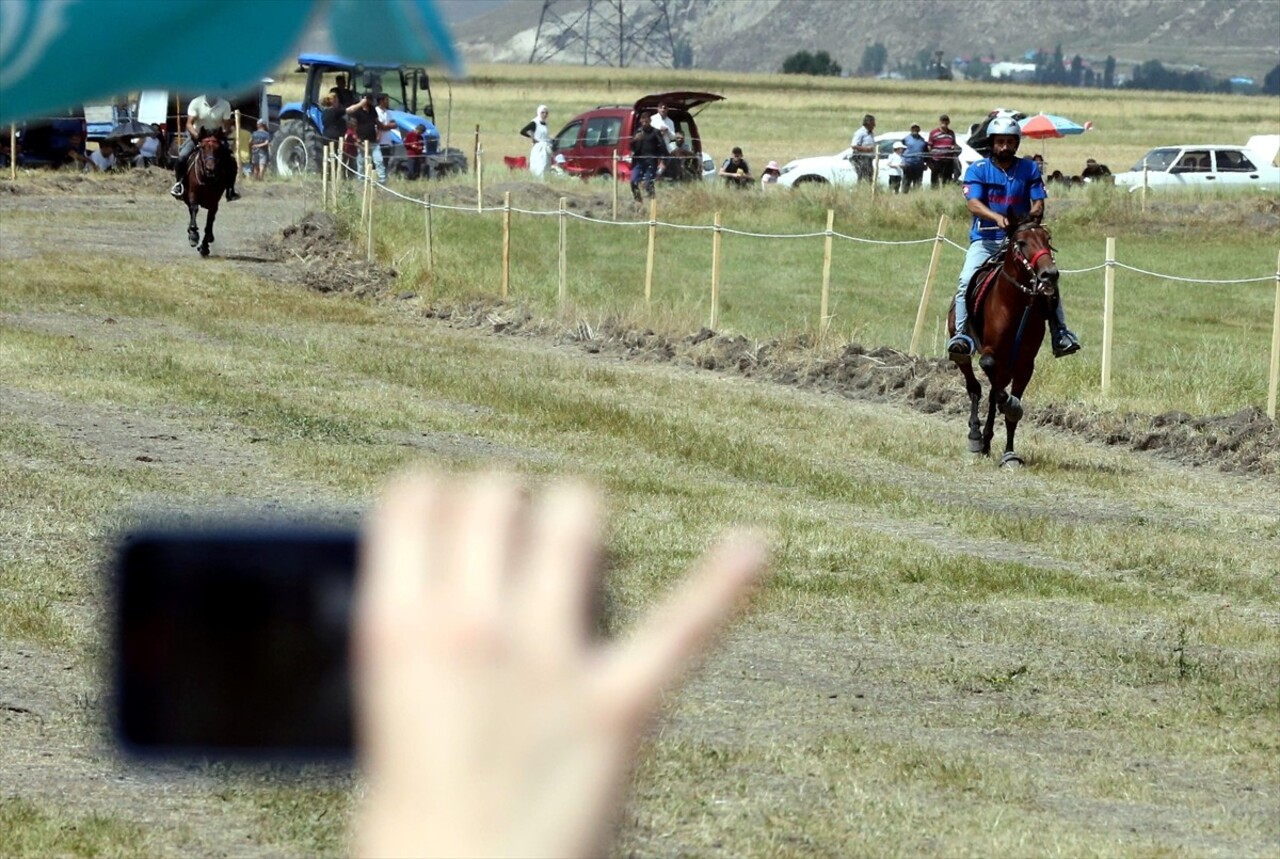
<point x="1016" y="72"/>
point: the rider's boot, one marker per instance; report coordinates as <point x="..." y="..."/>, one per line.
<point x="961" y="345"/>
<point x="1065" y="342"/>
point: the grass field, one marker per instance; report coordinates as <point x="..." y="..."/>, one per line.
<point x="1208" y="351"/>
<point x="781" y="117"/>
<point x="1081" y="658"/>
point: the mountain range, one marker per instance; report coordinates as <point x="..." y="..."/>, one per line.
<point x="1225" y="37"/>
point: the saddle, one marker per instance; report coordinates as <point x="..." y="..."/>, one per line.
<point x="981" y="282"/>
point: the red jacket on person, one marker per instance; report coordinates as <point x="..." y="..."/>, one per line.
<point x="414" y="146"/>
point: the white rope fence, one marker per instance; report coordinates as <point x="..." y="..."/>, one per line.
<point x="333" y="162"/>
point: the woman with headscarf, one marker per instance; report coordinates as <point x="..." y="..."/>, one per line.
<point x="540" y="154"/>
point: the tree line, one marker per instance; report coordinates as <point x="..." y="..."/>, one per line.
<point x="1051" y="68"/>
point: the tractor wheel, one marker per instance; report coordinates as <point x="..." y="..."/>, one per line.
<point x="453" y="161"/>
<point x="296" y="148"/>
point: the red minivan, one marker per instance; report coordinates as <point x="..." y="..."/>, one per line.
<point x="588" y="141"/>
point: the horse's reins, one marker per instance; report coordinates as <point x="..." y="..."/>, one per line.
<point x="1028" y="264"/>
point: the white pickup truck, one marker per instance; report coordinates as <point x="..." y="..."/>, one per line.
<point x="1207" y="166"/>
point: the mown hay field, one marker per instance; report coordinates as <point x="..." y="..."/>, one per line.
<point x="781" y="117"/>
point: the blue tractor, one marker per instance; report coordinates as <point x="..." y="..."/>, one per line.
<point x="298" y="143"/>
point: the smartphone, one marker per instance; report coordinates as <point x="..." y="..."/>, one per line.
<point x="232" y="642"/>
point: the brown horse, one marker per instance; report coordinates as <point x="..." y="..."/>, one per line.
<point x="204" y="187"/>
<point x="1009" y="325"/>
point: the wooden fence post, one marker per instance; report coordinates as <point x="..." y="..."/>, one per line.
<point x="339" y="172"/>
<point x="938" y="241"/>
<point x="427" y="228"/>
<point x="372" y="194"/>
<point x="13" y="162"/>
<point x="715" y="273"/>
<point x="615" y="184"/>
<point x="324" y="178"/>
<point x="563" y="292"/>
<point x="1108" y="312"/>
<point x="364" y="191"/>
<point x="653" y="238"/>
<point x="506" y="243"/>
<point x="236" y="144"/>
<point x="1274" y="384"/>
<point x="824" y="316"/>
<point x="479" y="172"/>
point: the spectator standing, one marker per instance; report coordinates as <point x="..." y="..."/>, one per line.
<point x="260" y="150"/>
<point x="944" y="154"/>
<point x="647" y="149"/>
<point x="333" y="118"/>
<point x="770" y="175"/>
<point x="667" y="128"/>
<point x="415" y="148"/>
<point x="895" y="166"/>
<point x="540" y="153"/>
<point x="864" y="148"/>
<point x="341" y="93"/>
<point x="387" y="136"/>
<point x="736" y="171"/>
<point x="366" y="117"/>
<point x="913" y="159"/>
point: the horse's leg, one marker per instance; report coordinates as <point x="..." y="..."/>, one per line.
<point x="193" y="232"/>
<point x="1013" y="411"/>
<point x="974" y="387"/>
<point x="208" y="229"/>
<point x="996" y="396"/>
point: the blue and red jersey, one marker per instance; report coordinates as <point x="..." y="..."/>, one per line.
<point x="1002" y="192"/>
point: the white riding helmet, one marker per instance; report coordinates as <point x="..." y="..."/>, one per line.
<point x="1004" y="125"/>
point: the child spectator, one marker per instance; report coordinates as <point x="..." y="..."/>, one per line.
<point x="415" y="149"/>
<point x="895" y="166"/>
<point x="770" y="175"/>
<point x="260" y="150"/>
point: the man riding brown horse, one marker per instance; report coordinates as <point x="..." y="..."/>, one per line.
<point x="996" y="188"/>
<point x="208" y="115"/>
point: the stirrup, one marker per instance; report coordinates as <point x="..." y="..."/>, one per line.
<point x="1067" y="344"/>
<point x="178" y="189"/>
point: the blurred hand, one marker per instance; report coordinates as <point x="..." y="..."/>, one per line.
<point x="490" y="724"/>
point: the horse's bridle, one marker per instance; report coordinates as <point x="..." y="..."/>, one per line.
<point x="1040" y="285"/>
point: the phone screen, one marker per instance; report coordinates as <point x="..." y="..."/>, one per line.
<point x="234" y="642"/>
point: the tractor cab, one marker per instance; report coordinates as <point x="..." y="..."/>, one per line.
<point x="298" y="145"/>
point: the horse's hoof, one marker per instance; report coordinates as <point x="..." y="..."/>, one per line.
<point x="1011" y="460"/>
<point x="194" y="240"/>
<point x="204" y="250"/>
<point x="975" y="445"/>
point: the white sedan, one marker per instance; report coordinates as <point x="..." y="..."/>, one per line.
<point x="1208" y="166"/>
<point x="838" y="169"/>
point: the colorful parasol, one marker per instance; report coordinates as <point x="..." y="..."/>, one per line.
<point x="1046" y="125"/>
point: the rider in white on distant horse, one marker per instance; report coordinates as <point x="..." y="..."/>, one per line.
<point x="208" y="115"/>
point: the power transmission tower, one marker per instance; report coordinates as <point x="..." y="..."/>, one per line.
<point x="604" y="33"/>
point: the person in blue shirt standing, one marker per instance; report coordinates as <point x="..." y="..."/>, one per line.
<point x="994" y="187"/>
<point x="913" y="159"/>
